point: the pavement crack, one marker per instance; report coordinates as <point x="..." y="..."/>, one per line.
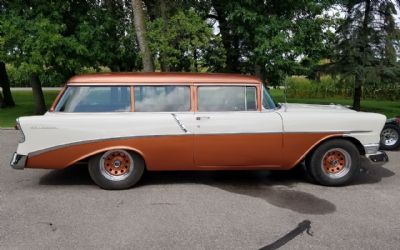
<point x="163" y="203"/>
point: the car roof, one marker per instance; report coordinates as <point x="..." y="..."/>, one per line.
<point x="157" y="77"/>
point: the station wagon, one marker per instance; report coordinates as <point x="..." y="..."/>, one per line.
<point x="125" y="123"/>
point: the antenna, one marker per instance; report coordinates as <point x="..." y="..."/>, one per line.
<point x="285" y="91"/>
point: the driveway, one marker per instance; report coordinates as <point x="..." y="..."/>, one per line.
<point x="63" y="209"/>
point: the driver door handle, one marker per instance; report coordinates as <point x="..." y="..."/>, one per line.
<point x="198" y="118"/>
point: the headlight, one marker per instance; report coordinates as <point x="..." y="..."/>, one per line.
<point x="21" y="136"/>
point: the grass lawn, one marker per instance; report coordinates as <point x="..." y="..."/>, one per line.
<point x="24" y="104"/>
<point x="388" y="108"/>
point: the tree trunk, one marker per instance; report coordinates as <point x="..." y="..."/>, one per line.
<point x="138" y="16"/>
<point x="359" y="79"/>
<point x="258" y="71"/>
<point x="357" y="92"/>
<point x="164" y="15"/>
<point x="7" y="100"/>
<point x="38" y="97"/>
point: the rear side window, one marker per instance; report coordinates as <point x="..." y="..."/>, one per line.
<point x="162" y="98"/>
<point x="95" y="99"/>
<point x="227" y="98"/>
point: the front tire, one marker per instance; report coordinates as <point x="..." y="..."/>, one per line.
<point x="334" y="163"/>
<point x="116" y="169"/>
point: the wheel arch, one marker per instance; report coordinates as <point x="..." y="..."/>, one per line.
<point x="86" y="157"/>
<point x="353" y="140"/>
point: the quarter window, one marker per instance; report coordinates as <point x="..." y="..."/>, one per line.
<point x="268" y="102"/>
<point x="95" y="99"/>
<point x="162" y="98"/>
<point x="227" y="98"/>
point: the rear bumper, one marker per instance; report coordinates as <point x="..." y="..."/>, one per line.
<point x="18" y="161"/>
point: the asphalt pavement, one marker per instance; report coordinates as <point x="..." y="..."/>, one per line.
<point x="64" y="209"/>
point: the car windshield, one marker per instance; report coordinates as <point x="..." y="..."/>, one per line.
<point x="268" y="102"/>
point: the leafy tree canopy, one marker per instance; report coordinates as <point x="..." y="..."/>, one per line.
<point x="187" y="42"/>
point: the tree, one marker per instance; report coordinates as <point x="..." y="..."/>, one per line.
<point x="269" y="38"/>
<point x="34" y="44"/>
<point x="186" y="43"/>
<point x="6" y="99"/>
<point x="228" y="31"/>
<point x="106" y="29"/>
<point x="366" y="43"/>
<point x="51" y="41"/>
<point x="140" y="29"/>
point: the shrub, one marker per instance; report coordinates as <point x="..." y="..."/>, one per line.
<point x="328" y="87"/>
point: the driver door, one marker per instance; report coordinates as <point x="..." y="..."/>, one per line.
<point x="231" y="131"/>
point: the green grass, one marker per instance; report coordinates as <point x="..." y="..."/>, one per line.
<point x="24" y="104"/>
<point x="388" y="108"/>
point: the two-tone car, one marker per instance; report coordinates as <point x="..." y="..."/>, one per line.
<point x="125" y="123"/>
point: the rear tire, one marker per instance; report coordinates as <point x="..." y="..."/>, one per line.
<point x="334" y="163"/>
<point x="116" y="169"/>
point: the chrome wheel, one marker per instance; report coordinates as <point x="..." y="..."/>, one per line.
<point x="336" y="163"/>
<point x="116" y="165"/>
<point x="389" y="136"/>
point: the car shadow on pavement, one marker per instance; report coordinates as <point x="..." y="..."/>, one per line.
<point x="278" y="188"/>
<point x="371" y="174"/>
<point x="73" y="175"/>
<point x="275" y="187"/>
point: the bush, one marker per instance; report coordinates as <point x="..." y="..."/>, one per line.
<point x="328" y="87"/>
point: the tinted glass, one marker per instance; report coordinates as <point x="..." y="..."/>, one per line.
<point x="95" y="99"/>
<point x="226" y="98"/>
<point x="162" y="98"/>
<point x="251" y="98"/>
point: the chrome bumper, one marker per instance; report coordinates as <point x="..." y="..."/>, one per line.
<point x="374" y="155"/>
<point x="18" y="161"/>
<point x="377" y="158"/>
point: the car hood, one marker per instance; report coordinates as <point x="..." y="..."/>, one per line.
<point x="298" y="107"/>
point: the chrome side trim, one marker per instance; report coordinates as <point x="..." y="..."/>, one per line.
<point x="18" y="161"/>
<point x="180" y="123"/>
<point x="357" y="131"/>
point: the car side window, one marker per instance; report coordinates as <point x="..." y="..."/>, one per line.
<point x="227" y="98"/>
<point x="95" y="99"/>
<point x="162" y="98"/>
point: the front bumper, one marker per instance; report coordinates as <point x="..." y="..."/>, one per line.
<point x="18" y="161"/>
<point x="374" y="155"/>
<point x="377" y="158"/>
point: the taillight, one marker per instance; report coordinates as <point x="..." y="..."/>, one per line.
<point x="21" y="136"/>
<point x="398" y="120"/>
